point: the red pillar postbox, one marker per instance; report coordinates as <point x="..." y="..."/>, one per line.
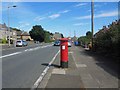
<point x="64" y="52"/>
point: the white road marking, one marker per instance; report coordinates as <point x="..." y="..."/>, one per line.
<point x="90" y="76"/>
<point x="10" y="54"/>
<point x="31" y="49"/>
<point x="26" y="50"/>
<point x="98" y="81"/>
<point x="44" y="72"/>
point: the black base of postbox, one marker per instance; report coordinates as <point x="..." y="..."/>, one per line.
<point x="64" y="64"/>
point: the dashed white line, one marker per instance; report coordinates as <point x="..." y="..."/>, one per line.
<point x="31" y="49"/>
<point x="43" y="73"/>
<point x="10" y="54"/>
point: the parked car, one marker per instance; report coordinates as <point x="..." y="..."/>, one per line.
<point x="69" y="43"/>
<point x="21" y="43"/>
<point x="24" y="43"/>
<point x="57" y="43"/>
<point x="76" y="43"/>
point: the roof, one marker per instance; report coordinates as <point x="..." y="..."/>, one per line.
<point x="64" y="39"/>
<point x="25" y="34"/>
<point x="57" y="36"/>
<point x="3" y="25"/>
<point x="19" y="33"/>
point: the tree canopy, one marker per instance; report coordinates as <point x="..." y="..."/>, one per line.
<point x="85" y="39"/>
<point x="37" y="33"/>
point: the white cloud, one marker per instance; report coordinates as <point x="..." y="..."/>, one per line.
<point x="80" y="24"/>
<point x="107" y="14"/>
<point x="54" y="16"/>
<point x="101" y="15"/>
<point x="80" y="4"/>
<point x="18" y="1"/>
<point x="65" y="11"/>
<point x="23" y="24"/>
<point x="39" y="18"/>
<point x="95" y="6"/>
<point x="84" y="17"/>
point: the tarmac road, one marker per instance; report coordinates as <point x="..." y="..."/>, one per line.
<point x="21" y="67"/>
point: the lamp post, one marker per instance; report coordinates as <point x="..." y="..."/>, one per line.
<point x="9" y="22"/>
<point x="92" y="20"/>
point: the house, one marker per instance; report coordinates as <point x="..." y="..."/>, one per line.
<point x="57" y="36"/>
<point x="23" y="35"/>
<point x="5" y="33"/>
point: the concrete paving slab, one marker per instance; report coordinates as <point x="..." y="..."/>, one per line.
<point x="58" y="71"/>
<point x="64" y="81"/>
<point x="81" y="65"/>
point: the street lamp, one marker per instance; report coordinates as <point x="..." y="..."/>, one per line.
<point x="92" y="20"/>
<point x="9" y="23"/>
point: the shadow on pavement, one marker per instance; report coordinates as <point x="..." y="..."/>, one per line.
<point x="53" y="65"/>
<point x="107" y="63"/>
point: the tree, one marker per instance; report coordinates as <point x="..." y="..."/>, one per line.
<point x="108" y="42"/>
<point x="85" y="40"/>
<point x="37" y="33"/>
<point x="89" y="34"/>
<point x="47" y="36"/>
<point x="62" y="36"/>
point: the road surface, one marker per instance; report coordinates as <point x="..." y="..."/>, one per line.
<point x="22" y="66"/>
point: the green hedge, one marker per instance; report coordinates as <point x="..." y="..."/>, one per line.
<point x="4" y="41"/>
<point x="108" y="43"/>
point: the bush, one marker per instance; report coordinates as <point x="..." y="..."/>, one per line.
<point x="4" y="41"/>
<point x="108" y="43"/>
<point x="28" y="39"/>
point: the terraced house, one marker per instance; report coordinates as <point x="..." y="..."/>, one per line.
<point x="4" y="33"/>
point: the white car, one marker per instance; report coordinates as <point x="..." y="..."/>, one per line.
<point x="21" y="43"/>
<point x="69" y="43"/>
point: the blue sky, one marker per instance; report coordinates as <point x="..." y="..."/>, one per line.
<point x="63" y="17"/>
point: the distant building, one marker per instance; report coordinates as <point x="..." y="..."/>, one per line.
<point x="74" y="38"/>
<point x="26" y="36"/>
<point x="4" y="32"/>
<point x="23" y="35"/>
<point x="19" y="35"/>
<point x="57" y="36"/>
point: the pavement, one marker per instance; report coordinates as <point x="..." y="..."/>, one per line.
<point x="86" y="71"/>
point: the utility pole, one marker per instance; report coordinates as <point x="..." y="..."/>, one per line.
<point x="74" y="33"/>
<point x="70" y="33"/>
<point x="8" y="27"/>
<point x="92" y="21"/>
<point x="9" y="23"/>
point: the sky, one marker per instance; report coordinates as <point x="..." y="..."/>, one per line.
<point x="68" y="18"/>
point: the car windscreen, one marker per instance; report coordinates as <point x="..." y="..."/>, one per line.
<point x="57" y="41"/>
<point x="18" y="41"/>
